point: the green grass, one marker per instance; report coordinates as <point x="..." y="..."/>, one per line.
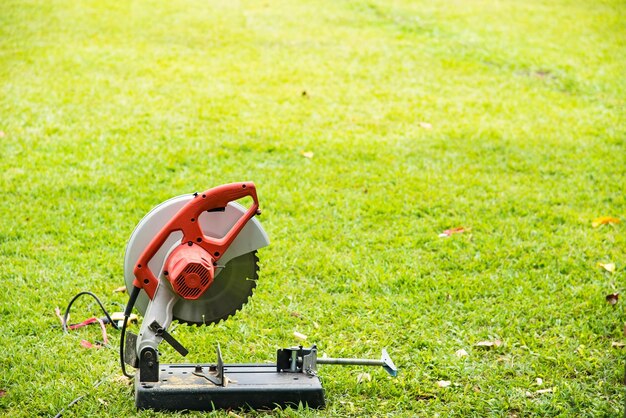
<point x="108" y="108"/>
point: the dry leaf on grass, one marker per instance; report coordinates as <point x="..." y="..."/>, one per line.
<point x="57" y="311"/>
<point x="612" y="298"/>
<point x="489" y="344"/>
<point x="539" y="392"/>
<point x="120" y="289"/>
<point x="426" y="125"/>
<point x="616" y="344"/>
<point x="307" y="154"/>
<point x="604" y="220"/>
<point x="123" y="380"/>
<point x="444" y="383"/>
<point x="452" y="231"/>
<point x="461" y="353"/>
<point x="3" y="393"/>
<point x="299" y="335"/>
<point x="610" y="267"/>
<point x="363" y="377"/>
<point x="548" y="390"/>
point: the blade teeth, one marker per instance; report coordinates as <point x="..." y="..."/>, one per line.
<point x="218" y="321"/>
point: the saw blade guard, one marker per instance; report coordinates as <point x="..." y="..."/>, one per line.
<point x="214" y="224"/>
<point x="186" y="221"/>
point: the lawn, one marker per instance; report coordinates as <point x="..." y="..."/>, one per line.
<point x="369" y="128"/>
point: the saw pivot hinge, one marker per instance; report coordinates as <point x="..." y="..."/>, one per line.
<point x="305" y="360"/>
<point x="149" y="365"/>
<point x="162" y="332"/>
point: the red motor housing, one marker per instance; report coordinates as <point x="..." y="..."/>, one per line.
<point x="189" y="268"/>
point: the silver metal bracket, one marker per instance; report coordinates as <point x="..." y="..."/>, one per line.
<point x="214" y="374"/>
<point x="305" y="360"/>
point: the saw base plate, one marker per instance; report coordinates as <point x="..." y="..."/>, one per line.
<point x="255" y="386"/>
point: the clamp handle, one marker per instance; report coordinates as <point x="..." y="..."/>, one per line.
<point x="186" y="221"/>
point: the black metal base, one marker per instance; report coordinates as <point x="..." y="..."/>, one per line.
<point x="255" y="386"/>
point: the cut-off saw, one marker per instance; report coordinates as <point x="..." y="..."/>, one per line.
<point x="193" y="259"/>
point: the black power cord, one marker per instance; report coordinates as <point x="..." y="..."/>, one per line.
<point x="129" y="307"/>
<point x="127" y="311"/>
<point x="69" y="306"/>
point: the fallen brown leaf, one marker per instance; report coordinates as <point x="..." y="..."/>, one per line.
<point x="616" y="344"/>
<point x="604" y="220"/>
<point x="452" y="231"/>
<point x="3" y="393"/>
<point x="612" y="298"/>
<point x="121" y="289"/>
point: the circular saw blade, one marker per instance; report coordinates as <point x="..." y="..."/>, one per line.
<point x="234" y="282"/>
<point x="230" y="290"/>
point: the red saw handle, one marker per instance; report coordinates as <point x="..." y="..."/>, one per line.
<point x="186" y="220"/>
